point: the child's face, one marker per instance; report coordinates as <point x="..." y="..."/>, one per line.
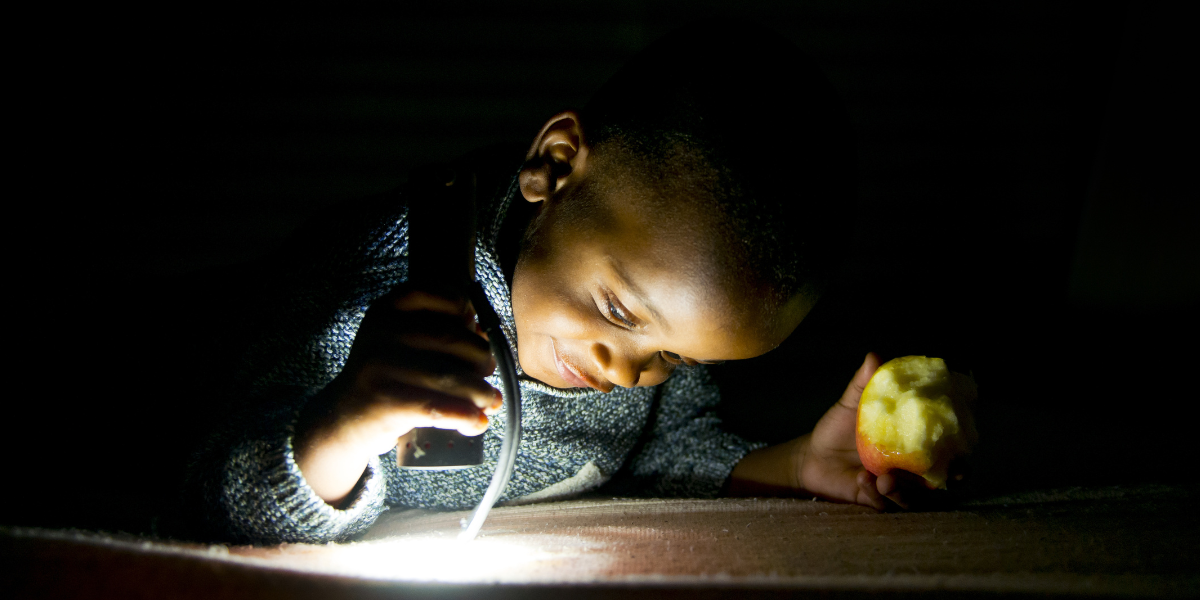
<point x="602" y="297"/>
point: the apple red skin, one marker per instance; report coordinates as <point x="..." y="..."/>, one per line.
<point x="879" y="462"/>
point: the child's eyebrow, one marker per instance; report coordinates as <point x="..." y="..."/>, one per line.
<point x="637" y="293"/>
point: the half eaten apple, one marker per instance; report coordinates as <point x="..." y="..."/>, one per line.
<point x="913" y="415"/>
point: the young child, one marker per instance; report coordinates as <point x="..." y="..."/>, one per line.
<point x="692" y="213"/>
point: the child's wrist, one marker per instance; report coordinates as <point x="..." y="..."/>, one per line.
<point x="799" y="454"/>
<point x="330" y="422"/>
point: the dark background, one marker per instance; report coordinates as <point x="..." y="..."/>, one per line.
<point x="1023" y="213"/>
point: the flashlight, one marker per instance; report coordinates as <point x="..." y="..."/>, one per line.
<point x="441" y="244"/>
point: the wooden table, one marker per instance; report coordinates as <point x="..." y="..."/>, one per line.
<point x="1116" y="541"/>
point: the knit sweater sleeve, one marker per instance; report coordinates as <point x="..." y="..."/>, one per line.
<point x="244" y="485"/>
<point x="686" y="454"/>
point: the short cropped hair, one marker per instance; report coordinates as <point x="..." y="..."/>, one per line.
<point x="738" y="111"/>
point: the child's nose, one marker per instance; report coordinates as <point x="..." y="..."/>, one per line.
<point x="616" y="366"/>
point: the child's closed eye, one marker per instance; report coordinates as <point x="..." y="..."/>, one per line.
<point x="676" y="359"/>
<point x="616" y="314"/>
<point x="673" y="358"/>
<point x="619" y="314"/>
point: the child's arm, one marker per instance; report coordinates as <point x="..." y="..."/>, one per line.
<point x="250" y="481"/>
<point x="825" y="462"/>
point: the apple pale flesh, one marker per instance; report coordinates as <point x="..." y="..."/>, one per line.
<point x="909" y="419"/>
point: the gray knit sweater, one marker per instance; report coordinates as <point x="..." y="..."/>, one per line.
<point x="244" y="486"/>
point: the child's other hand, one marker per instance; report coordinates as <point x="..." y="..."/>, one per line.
<point x="830" y="465"/>
<point x="825" y="462"/>
<point x="419" y="360"/>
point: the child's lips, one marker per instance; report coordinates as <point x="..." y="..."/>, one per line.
<point x="569" y="374"/>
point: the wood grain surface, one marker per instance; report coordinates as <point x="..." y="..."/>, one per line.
<point x="1112" y="541"/>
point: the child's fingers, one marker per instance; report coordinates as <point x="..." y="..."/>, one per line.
<point x="396" y="383"/>
<point x="413" y="300"/>
<point x="908" y="490"/>
<point x="868" y="493"/>
<point x="889" y="487"/>
<point x="960" y="468"/>
<point x="385" y="419"/>
<point x="423" y="408"/>
<point x="408" y="406"/>
<point x="496" y="406"/>
<point x="381" y="419"/>
<point x="452" y="413"/>
<point x="861" y="377"/>
<point x="420" y="300"/>
<point x="439" y="351"/>
<point x="461" y="345"/>
<point x="424" y="340"/>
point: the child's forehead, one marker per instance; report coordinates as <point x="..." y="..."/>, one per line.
<point x="714" y="313"/>
<point x="653" y="211"/>
<point x="663" y="255"/>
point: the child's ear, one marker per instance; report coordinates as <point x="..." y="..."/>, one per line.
<point x="557" y="158"/>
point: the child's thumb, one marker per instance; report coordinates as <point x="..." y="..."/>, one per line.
<point x="861" y="377"/>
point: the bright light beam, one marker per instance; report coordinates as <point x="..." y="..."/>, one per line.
<point x="420" y="558"/>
